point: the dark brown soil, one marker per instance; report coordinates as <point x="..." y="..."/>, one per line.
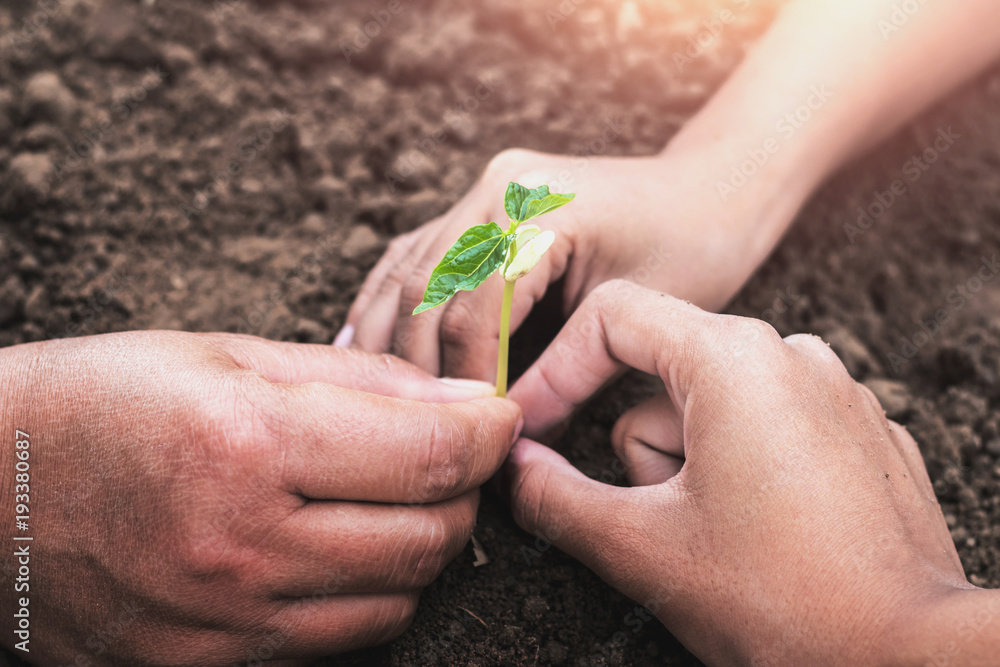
<point x="111" y="221"/>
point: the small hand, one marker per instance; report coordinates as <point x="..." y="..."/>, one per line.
<point x="655" y="220"/>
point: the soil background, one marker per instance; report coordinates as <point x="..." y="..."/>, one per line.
<point x="115" y="115"/>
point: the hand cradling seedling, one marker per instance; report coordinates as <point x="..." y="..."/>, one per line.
<point x="484" y="249"/>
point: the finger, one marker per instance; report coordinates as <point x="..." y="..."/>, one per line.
<point x="946" y="553"/>
<point x="420" y="337"/>
<point x="557" y="503"/>
<point x="415" y="337"/>
<point x="337" y="548"/>
<point x="622" y="323"/>
<point x="649" y="440"/>
<point x="399" y="248"/>
<point x="297" y="363"/>
<point x="913" y="458"/>
<point x="335" y="443"/>
<point x="460" y="338"/>
<point x="312" y="628"/>
<point x="374" y="327"/>
<point x="469" y="330"/>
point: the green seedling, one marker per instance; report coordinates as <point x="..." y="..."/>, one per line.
<point x="485" y="249"/>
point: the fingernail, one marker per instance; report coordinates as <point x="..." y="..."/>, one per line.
<point x="476" y="386"/>
<point x="518" y="428"/>
<point x="344" y="336"/>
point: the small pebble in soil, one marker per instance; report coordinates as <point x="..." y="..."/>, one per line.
<point x="961" y="406"/>
<point x="6" y="114"/>
<point x="893" y="395"/>
<point x="11" y="298"/>
<point x="36" y="305"/>
<point x="311" y="331"/>
<point x="507" y="636"/>
<point x="993" y="447"/>
<point x="856" y="357"/>
<point x="534" y="608"/>
<point x="29" y="181"/>
<point x="360" y="242"/>
<point x="46" y="97"/>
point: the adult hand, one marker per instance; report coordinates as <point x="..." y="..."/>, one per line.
<point x="781" y="519"/>
<point x="657" y="220"/>
<point x="206" y="499"/>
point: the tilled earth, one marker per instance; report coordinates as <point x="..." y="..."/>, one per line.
<point x="240" y="165"/>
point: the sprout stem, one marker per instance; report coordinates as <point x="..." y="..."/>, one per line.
<point x="508" y="300"/>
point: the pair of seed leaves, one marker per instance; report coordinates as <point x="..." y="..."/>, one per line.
<point x="483" y="249"/>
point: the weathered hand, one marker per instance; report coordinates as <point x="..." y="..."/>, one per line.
<point x="204" y="499"/>
<point x="782" y="518"/>
<point x="658" y="221"/>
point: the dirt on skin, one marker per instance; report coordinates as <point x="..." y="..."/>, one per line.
<point x="240" y="166"/>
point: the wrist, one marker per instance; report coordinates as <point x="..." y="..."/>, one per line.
<point x="749" y="196"/>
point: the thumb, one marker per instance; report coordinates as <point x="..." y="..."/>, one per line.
<point x="560" y="505"/>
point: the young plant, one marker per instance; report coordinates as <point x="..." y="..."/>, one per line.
<point x="485" y="249"/>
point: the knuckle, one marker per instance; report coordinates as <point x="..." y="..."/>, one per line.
<point x="399" y="245"/>
<point x="458" y="323"/>
<point x="398" y="276"/>
<point x="744" y="334"/>
<point x="410" y="297"/>
<point x="612" y="290"/>
<point x="207" y="557"/>
<point x="527" y="498"/>
<point x="398" y="621"/>
<point x="505" y="164"/>
<point x="815" y="348"/>
<point x="869" y="396"/>
<point x="436" y="552"/>
<point x="447" y="459"/>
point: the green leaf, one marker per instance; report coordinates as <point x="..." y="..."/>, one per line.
<point x="466" y="265"/>
<point x="523" y="204"/>
<point x="514" y="198"/>
<point x="537" y="207"/>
